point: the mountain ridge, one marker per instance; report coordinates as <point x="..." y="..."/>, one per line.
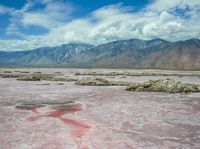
<point x="132" y="53"/>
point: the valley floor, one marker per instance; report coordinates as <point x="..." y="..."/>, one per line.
<point x="98" y="117"/>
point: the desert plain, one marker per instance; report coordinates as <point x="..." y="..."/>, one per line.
<point x="58" y="114"/>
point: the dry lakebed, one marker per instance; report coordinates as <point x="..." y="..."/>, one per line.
<point x="48" y="108"/>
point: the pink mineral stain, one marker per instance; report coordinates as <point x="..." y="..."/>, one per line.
<point x="62" y="110"/>
<point x="79" y="133"/>
<point x="35" y="118"/>
<point x="75" y="123"/>
<point x="78" y="129"/>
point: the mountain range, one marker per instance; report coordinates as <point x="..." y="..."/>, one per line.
<point x="133" y="53"/>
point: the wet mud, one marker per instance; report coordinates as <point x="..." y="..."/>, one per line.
<point x="33" y="108"/>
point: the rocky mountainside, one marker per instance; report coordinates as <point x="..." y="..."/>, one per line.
<point x="42" y="57"/>
<point x="133" y="53"/>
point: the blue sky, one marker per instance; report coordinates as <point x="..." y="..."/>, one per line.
<point x="29" y="24"/>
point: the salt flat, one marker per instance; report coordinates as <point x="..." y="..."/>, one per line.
<point x="98" y="117"/>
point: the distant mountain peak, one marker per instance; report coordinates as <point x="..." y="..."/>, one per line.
<point x="196" y="40"/>
<point x="158" y="40"/>
<point x="78" y="43"/>
<point x="130" y="53"/>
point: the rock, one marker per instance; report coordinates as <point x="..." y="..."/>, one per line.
<point x="60" y="83"/>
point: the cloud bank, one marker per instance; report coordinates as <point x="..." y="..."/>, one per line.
<point x="171" y="20"/>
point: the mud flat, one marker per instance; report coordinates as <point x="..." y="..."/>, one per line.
<point x="46" y="115"/>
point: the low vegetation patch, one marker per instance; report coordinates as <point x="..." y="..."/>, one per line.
<point x="100" y="74"/>
<point x="92" y="81"/>
<point x="119" y="83"/>
<point x="18" y="71"/>
<point x="133" y="74"/>
<point x="10" y="75"/>
<point x="95" y="81"/>
<point x="35" y="77"/>
<point x="66" y="79"/>
<point x="164" y="85"/>
<point x="6" y="71"/>
<point x="58" y="73"/>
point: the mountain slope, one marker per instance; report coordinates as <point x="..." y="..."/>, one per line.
<point x="156" y="53"/>
<point x="179" y="55"/>
<point x="134" y="53"/>
<point x="42" y="57"/>
<point x="113" y="54"/>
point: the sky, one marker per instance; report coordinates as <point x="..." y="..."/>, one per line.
<point x="30" y="24"/>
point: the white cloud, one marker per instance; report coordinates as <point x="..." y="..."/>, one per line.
<point x="5" y="10"/>
<point x="158" y="20"/>
<point x="51" y="15"/>
<point x="169" y="4"/>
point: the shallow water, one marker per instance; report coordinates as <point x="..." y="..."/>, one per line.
<point x="99" y="118"/>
